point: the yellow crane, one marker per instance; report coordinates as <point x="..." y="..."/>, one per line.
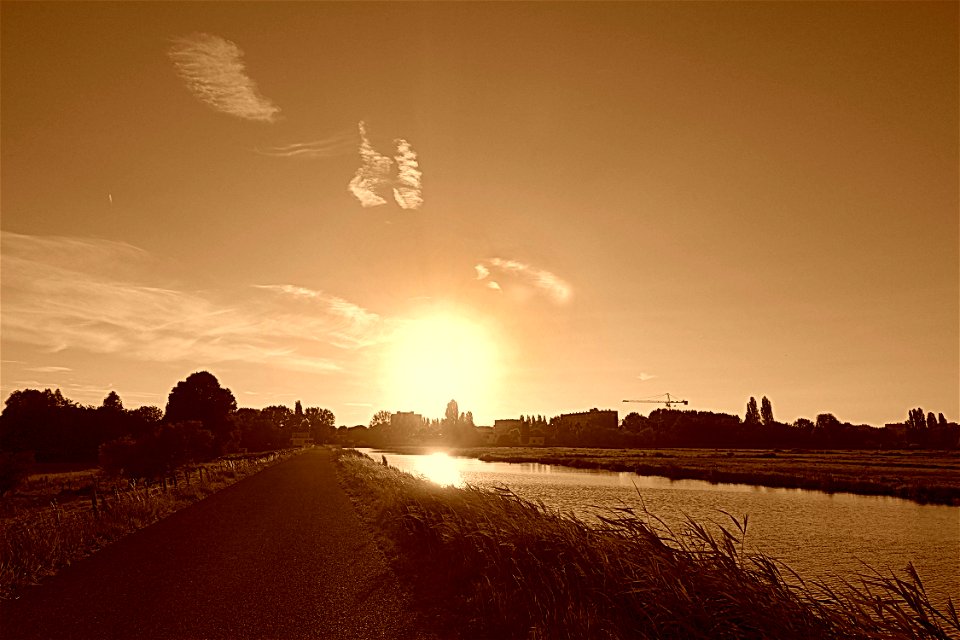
<point x="669" y="401"/>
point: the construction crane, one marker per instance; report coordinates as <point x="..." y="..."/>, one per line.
<point x="669" y="402"/>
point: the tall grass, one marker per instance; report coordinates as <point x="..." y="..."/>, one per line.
<point x="37" y="542"/>
<point x="493" y="565"/>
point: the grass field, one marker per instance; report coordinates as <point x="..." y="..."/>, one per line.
<point x="54" y="518"/>
<point x="923" y="476"/>
<point x="487" y="564"/>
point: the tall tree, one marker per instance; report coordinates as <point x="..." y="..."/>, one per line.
<point x="766" y="412"/>
<point x="298" y="409"/>
<point x="112" y="402"/>
<point x="915" y="419"/>
<point x="752" y="416"/>
<point x="452" y="414"/>
<point x="200" y="397"/>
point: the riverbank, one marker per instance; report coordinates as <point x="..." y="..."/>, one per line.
<point x="926" y="477"/>
<point x="491" y="565"/>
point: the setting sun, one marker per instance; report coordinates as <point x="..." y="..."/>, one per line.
<point x="438" y="358"/>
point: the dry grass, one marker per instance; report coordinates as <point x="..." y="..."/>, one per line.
<point x="491" y="565"/>
<point x="52" y="521"/>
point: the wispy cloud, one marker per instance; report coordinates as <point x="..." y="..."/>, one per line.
<point x="374" y="175"/>
<point x="336" y="145"/>
<point x="409" y="191"/>
<point x="518" y="276"/>
<point x="212" y="69"/>
<point x="341" y="323"/>
<point x="644" y="376"/>
<point x="80" y="303"/>
<point x="49" y="369"/>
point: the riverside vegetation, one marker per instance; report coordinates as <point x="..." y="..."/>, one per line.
<point x="488" y="564"/>
<point x="53" y="520"/>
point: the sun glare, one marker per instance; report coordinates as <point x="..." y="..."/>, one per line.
<point x="440" y="469"/>
<point x="440" y="358"/>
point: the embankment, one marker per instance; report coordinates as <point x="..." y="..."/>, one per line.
<point x="491" y="565"/>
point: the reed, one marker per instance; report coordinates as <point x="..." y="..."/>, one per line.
<point x="489" y="564"/>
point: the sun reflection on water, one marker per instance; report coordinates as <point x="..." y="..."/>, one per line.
<point x="440" y="468"/>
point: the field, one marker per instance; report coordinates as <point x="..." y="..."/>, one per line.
<point x="923" y="476"/>
<point x="57" y="517"/>
<point x="487" y="564"/>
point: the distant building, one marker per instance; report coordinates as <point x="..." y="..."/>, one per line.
<point x="536" y="438"/>
<point x="501" y="427"/>
<point x="586" y="421"/>
<point x="405" y="422"/>
<point x="300" y="439"/>
<point x="486" y="435"/>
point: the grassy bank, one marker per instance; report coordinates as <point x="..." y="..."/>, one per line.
<point x="490" y="565"/>
<point x="56" y="519"/>
<point x="928" y="477"/>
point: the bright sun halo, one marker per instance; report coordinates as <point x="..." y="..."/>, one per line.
<point x="440" y="358"/>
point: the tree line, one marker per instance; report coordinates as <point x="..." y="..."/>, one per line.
<point x="200" y="422"/>
<point x="669" y="428"/>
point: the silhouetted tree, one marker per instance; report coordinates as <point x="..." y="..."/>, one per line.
<point x="298" y="409"/>
<point x="380" y="419"/>
<point x="14" y="468"/>
<point x="322" y="424"/>
<point x="752" y="417"/>
<point x="915" y="420"/>
<point x="766" y="412"/>
<point x="931" y="421"/>
<point x="169" y="446"/>
<point x="452" y="414"/>
<point x="112" y="402"/>
<point x="200" y="397"/>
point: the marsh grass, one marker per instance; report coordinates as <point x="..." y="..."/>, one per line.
<point x="36" y="541"/>
<point x="489" y="564"/>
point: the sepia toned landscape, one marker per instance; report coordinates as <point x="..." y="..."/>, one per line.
<point x="479" y="321"/>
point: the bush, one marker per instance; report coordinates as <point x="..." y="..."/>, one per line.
<point x="14" y="467"/>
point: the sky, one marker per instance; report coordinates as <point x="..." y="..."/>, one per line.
<point x="528" y="208"/>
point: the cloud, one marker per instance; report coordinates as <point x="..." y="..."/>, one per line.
<point x="335" y="145"/>
<point x="49" y="369"/>
<point x="374" y="175"/>
<point x="521" y="277"/>
<point x="213" y="70"/>
<point x="644" y="376"/>
<point x="63" y="293"/>
<point x="409" y="191"/>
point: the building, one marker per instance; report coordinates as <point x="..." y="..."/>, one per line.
<point x="587" y="421"/>
<point x="486" y="435"/>
<point x="300" y="439"/>
<point x="406" y="423"/>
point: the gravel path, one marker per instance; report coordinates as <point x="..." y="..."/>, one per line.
<point x="281" y="554"/>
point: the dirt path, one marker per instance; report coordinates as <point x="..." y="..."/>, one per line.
<point x="281" y="554"/>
